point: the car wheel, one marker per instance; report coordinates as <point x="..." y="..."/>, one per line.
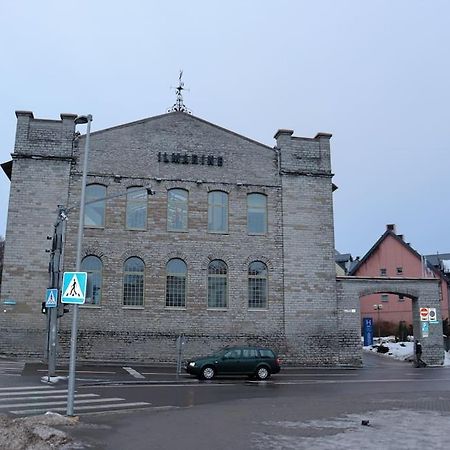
<point x="208" y="373"/>
<point x="262" y="373"/>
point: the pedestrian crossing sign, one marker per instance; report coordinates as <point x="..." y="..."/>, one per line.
<point x="74" y="288"/>
<point x="51" y="299"/>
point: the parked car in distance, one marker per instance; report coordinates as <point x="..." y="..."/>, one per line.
<point x="251" y="361"/>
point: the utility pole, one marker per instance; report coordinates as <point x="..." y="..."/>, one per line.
<point x="55" y="273"/>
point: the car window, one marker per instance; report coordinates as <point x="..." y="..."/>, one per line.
<point x="249" y="353"/>
<point x="232" y="354"/>
<point x="266" y="353"/>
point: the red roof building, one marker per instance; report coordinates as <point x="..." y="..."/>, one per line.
<point x="390" y="257"/>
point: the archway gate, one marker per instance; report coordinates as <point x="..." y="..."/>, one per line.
<point x="424" y="293"/>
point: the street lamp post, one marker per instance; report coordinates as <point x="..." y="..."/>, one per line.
<point x="73" y="338"/>
<point x="378" y="308"/>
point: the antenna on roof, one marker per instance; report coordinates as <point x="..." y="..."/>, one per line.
<point x="179" y="105"/>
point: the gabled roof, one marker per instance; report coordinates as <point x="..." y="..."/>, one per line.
<point x="408" y="247"/>
<point x="188" y="117"/>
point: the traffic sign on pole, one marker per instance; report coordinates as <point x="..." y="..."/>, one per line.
<point x="424" y="314"/>
<point x="51" y="299"/>
<point x="74" y="288"/>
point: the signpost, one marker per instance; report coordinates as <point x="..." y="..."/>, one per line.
<point x="74" y="288"/>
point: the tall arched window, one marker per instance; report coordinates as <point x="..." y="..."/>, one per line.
<point x="136" y="208"/>
<point x="218" y="212"/>
<point x="94" y="206"/>
<point x="94" y="268"/>
<point x="257" y="285"/>
<point x="256" y="214"/>
<point x="176" y="273"/>
<point x="217" y="284"/>
<point x="177" y="210"/>
<point x="133" y="282"/>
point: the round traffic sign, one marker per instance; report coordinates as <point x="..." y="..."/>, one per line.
<point x="424" y="312"/>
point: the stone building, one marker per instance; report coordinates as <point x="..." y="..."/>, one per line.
<point x="189" y="229"/>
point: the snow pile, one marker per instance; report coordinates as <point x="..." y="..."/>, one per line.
<point x="403" y="351"/>
<point x="35" y="433"/>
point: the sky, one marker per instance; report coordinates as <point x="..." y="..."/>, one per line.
<point x="375" y="74"/>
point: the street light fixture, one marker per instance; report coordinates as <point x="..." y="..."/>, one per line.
<point x="378" y="308"/>
<point x="73" y="338"/>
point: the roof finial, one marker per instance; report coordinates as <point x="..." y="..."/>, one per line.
<point x="179" y="105"/>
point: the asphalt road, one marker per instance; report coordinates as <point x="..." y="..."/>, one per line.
<point x="298" y="408"/>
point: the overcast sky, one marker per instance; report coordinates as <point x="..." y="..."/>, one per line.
<point x="375" y="74"/>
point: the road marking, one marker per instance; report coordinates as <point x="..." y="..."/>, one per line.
<point x="56" y="391"/>
<point x="23" y="388"/>
<point x="84" y="408"/>
<point x="77" y="402"/>
<point x="44" y="397"/>
<point x="78" y="371"/>
<point x="133" y="372"/>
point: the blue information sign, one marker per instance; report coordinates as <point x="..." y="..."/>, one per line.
<point x="74" y="288"/>
<point x="51" y="299"/>
<point x="368" y="331"/>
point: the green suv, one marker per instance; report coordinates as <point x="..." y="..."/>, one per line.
<point x="252" y="361"/>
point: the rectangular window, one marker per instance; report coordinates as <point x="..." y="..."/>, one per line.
<point x="383" y="272"/>
<point x="399" y="270"/>
<point x="401" y="298"/>
<point x="94" y="206"/>
<point x="384" y="297"/>
<point x="257" y="293"/>
<point x="218" y="212"/>
<point x="136" y="208"/>
<point x="217" y="291"/>
<point x="177" y="210"/>
<point x="176" y="291"/>
<point x="256" y="214"/>
<point x="133" y="290"/>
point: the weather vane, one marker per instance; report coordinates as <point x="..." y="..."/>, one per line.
<point x="179" y="105"/>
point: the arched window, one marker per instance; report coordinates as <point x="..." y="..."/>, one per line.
<point x="218" y="212"/>
<point x="93" y="266"/>
<point x="257" y="285"/>
<point x="217" y="284"/>
<point x="94" y="206"/>
<point x="136" y="208"/>
<point x="256" y="214"/>
<point x="177" y="210"/>
<point x="133" y="282"/>
<point x="176" y="271"/>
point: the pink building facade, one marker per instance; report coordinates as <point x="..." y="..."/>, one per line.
<point x="390" y="257"/>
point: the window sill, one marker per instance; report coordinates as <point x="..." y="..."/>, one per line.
<point x="226" y="233"/>
<point x="223" y="309"/>
<point x="257" y="234"/>
<point x="136" y="229"/>
<point x="175" y="308"/>
<point x="177" y="231"/>
<point x="95" y="227"/>
<point x="132" y="307"/>
<point x="257" y="309"/>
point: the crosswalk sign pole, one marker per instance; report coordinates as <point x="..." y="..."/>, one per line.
<point x="73" y="337"/>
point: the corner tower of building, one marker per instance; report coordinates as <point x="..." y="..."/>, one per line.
<point x="311" y="325"/>
<point x="39" y="183"/>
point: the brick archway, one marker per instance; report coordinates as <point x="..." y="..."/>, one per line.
<point x="423" y="292"/>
